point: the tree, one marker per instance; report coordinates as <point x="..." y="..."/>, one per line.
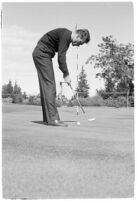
<point x="83" y="86"/>
<point x="4" y="91"/>
<point x="10" y="87"/>
<point x="116" y="64"/>
<point x="7" y="90"/>
<point x="17" y="89"/>
<point x="24" y="95"/>
<point x="18" y="97"/>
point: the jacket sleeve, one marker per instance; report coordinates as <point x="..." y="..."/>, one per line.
<point x="62" y="49"/>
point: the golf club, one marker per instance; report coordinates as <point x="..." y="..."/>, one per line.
<point x="88" y="119"/>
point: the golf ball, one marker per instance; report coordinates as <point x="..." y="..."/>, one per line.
<point x="78" y="123"/>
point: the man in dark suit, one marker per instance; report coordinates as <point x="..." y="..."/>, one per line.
<point x="57" y="40"/>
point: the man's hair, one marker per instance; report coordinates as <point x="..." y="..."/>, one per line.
<point x="84" y="35"/>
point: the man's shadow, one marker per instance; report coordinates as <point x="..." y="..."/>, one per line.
<point x="43" y="123"/>
<point x="39" y="122"/>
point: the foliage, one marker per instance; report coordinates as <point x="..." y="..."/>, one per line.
<point x="58" y="103"/>
<point x="16" y="89"/>
<point x="89" y="101"/>
<point x="131" y="101"/>
<point x="105" y="95"/>
<point x="83" y="86"/>
<point x="13" y="92"/>
<point x="24" y="95"/>
<point x="7" y="100"/>
<point x="18" y="98"/>
<point x="120" y="101"/>
<point x="7" y="90"/>
<point x="101" y="99"/>
<point x="34" y="100"/>
<point x="97" y="100"/>
<point x="116" y="64"/>
<point x="61" y="100"/>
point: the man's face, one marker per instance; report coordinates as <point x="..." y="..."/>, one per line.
<point x="77" y="41"/>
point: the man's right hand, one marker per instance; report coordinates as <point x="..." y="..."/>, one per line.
<point x="67" y="80"/>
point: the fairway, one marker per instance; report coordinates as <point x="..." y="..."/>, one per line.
<point x="91" y="160"/>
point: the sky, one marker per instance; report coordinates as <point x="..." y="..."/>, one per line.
<point x="23" y="24"/>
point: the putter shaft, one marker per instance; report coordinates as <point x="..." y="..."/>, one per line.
<point x="92" y="119"/>
<point x="78" y="100"/>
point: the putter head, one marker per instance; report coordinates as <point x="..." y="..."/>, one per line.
<point x="92" y="119"/>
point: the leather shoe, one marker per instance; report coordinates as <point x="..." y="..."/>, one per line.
<point x="57" y="123"/>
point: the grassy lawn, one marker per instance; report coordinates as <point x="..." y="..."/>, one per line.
<point x="90" y="160"/>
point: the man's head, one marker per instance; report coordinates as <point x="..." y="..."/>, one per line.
<point x="80" y="36"/>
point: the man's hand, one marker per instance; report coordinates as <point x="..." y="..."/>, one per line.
<point x="67" y="80"/>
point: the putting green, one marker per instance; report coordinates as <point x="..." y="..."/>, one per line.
<point x="91" y="160"/>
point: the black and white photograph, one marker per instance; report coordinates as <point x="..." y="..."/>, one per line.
<point x="67" y="100"/>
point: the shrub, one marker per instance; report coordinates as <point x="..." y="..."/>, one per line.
<point x="97" y="100"/>
<point x="72" y="103"/>
<point x="25" y="101"/>
<point x="131" y="101"/>
<point x="17" y="98"/>
<point x="90" y="101"/>
<point x="58" y="103"/>
<point x="34" y="100"/>
<point x="120" y="101"/>
<point x="7" y="100"/>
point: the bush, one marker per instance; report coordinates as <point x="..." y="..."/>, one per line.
<point x="58" y="103"/>
<point x="17" y="98"/>
<point x="25" y="101"/>
<point x="97" y="100"/>
<point x="120" y="101"/>
<point x="7" y="100"/>
<point x="131" y="101"/>
<point x="34" y="100"/>
<point x="90" y="101"/>
<point x="72" y="103"/>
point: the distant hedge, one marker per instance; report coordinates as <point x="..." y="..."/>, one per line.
<point x="90" y="101"/>
<point x="97" y="101"/>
